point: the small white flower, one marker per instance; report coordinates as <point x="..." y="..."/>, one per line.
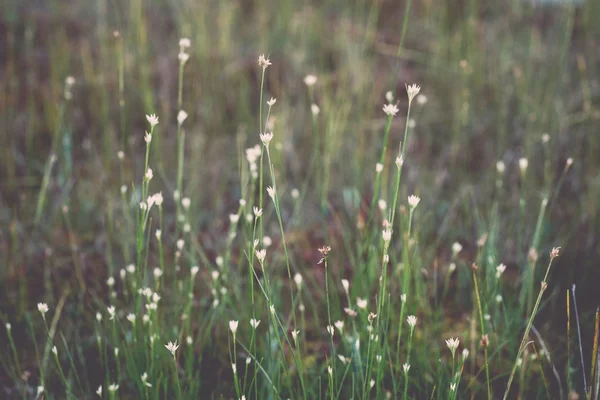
<point x="330" y="330"/>
<point x="157" y="272"/>
<point x="569" y="161"/>
<point x="456" y="248"/>
<point x="172" y="347"/>
<point x="147" y="137"/>
<point x="267" y="241"/>
<point x="451" y="267"/>
<point x="382" y="204"/>
<point x="110" y="281"/>
<point x="113" y="387"/>
<point x="40" y="390"/>
<point x="399" y="161"/>
<point x="298" y="280"/>
<point x="184" y="43"/>
<point x="183" y="57"/>
<point x="389" y="96"/>
<point x="130" y="268"/>
<point x="465" y="354"/>
<point x="233" y="325"/>
<point x="181" y="117"/>
<point x="406" y="367"/>
<point x="123" y="189"/>
<point x="111" y="312"/>
<point x="339" y="325"/>
<point x="234" y="368"/>
<point x="403" y="297"/>
<point x="158" y="234"/>
<point x="215" y="275"/>
<point x="194" y="270"/>
<point x="55" y="350"/>
<point x="314" y="109"/>
<point x="272" y="101"/>
<point x="8" y="326"/>
<point x="413" y="201"/>
<point x="295" y="335"/>
<point x="452" y="344"/>
<point x="263" y="61"/>
<point x="310" y="80"/>
<point x="378" y="167"/>
<point x="261" y="254"/>
<point x="272" y="309"/>
<point x="98" y="391"/>
<point x="152" y="119"/>
<point x="372" y="383"/>
<point x="452" y="387"/>
<point x="145" y="379"/>
<point x="390" y="109"/>
<point x="500" y="270"/>
<point x="42" y="308"/>
<point x="361" y="303"/>
<point x="412" y="321"/>
<point x="185" y="202"/>
<point x="254" y="323"/>
<point x="149" y="174"/>
<point x="131" y="317"/>
<point x="295" y="193"/>
<point x="257" y="212"/>
<point x="498" y="298"/>
<point x="271" y="192"/>
<point x="422" y="99"/>
<point x="120" y="155"/>
<point x="412" y="91"/>
<point x="266" y="138"/>
<point x="523" y="164"/>
<point x="500" y="167"/>
<point x="345" y="285"/>
<point x="387" y="235"/>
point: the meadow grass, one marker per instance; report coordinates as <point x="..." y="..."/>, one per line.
<point x="419" y="196"/>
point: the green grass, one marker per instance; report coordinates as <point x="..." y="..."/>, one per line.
<point x="357" y="285"/>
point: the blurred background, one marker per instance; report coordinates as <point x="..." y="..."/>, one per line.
<point x="502" y="81"/>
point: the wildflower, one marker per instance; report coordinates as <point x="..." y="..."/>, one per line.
<point x="361" y="303"/>
<point x="412" y="91"/>
<point x="298" y="280"/>
<point x="233" y="325"/>
<point x="465" y="354"/>
<point x="111" y="312"/>
<point x="271" y="192"/>
<point x="389" y="96"/>
<point x="387" y="235"/>
<point x="372" y="383"/>
<point x="330" y="370"/>
<point x="131" y="318"/>
<point x="569" y="162"/>
<point x="261" y="254"/>
<point x="295" y="335"/>
<point x="55" y="351"/>
<point x="350" y="312"/>
<point x="554" y="252"/>
<point x="113" y="387"/>
<point x="403" y="297"/>
<point x="267" y="241"/>
<point x="371" y="317"/>
<point x="390" y="109"/>
<point x="452" y="344"/>
<point x="498" y="298"/>
<point x="406" y="367"/>
<point x="324" y="250"/>
<point x="120" y="155"/>
<point x="145" y="379"/>
<point x="194" y="270"/>
<point x="485" y="341"/>
<point x="184" y="43"/>
<point x="310" y="80"/>
<point x="157" y="272"/>
<point x="272" y="309"/>
<point x="8" y="326"/>
<point x="152" y="119"/>
<point x="185" y="202"/>
<point x="172" y="347"/>
<point x="339" y="325"/>
<point x="40" y="390"/>
<point x="500" y="270"/>
<point x="523" y="163"/>
<point x="413" y="201"/>
<point x="130" y="268"/>
<point x="181" y="117"/>
<point x="412" y="321"/>
<point x="456" y="248"/>
<point x="295" y="193"/>
<point x="500" y="167"/>
<point x="378" y="167"/>
<point x="183" y="57"/>
<point x="343" y="359"/>
<point x="330" y="330"/>
<point x="382" y="204"/>
<point x="98" y="391"/>
<point x="452" y="387"/>
<point x="345" y="285"/>
<point x="263" y="61"/>
<point x="43" y="308"/>
<point x="110" y="281"/>
<point x="147" y="137"/>
<point x="422" y="99"/>
<point x="266" y="139"/>
<point x="254" y="323"/>
<point x="272" y="101"/>
<point x="149" y="174"/>
<point x="314" y="109"/>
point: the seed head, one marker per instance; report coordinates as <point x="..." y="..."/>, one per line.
<point x="261" y="254"/>
<point x="390" y="109"/>
<point x="263" y="61"/>
<point x="266" y="138"/>
<point x="452" y="344"/>
<point x="412" y="91"/>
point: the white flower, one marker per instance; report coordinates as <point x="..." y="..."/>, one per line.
<point x="272" y="101"/>
<point x="412" y="91"/>
<point x="266" y="138"/>
<point x="378" y="167"/>
<point x="158" y="234"/>
<point x="130" y="268"/>
<point x="184" y="43"/>
<point x="263" y="61"/>
<point x="185" y="202"/>
<point x="371" y="383"/>
<point x="145" y="379"/>
<point x="500" y="270"/>
<point x="452" y="387"/>
<point x="339" y="325"/>
<point x="158" y="198"/>
<point x="310" y="80"/>
<point x="157" y="272"/>
<point x="403" y="297"/>
<point x="152" y="119"/>
<point x="271" y="192"/>
<point x="111" y="312"/>
<point x="254" y="323"/>
<point x="295" y="193"/>
<point x="413" y="201"/>
<point x="98" y="391"/>
<point x="8" y="326"/>
<point x="390" y="109"/>
<point x="387" y="235"/>
<point x="147" y="137"/>
<point x="55" y="350"/>
<point x="465" y="354"/>
<point x="314" y="109"/>
<point x="569" y="161"/>
<point x="345" y="285"/>
<point x="110" y="281"/>
<point x="113" y="387"/>
<point x="181" y="116"/>
<point x="149" y="174"/>
<point x="267" y="241"/>
<point x="261" y="254"/>
<point x="257" y="212"/>
<point x="456" y="248"/>
<point x="389" y="96"/>
<point x="406" y="367"/>
<point x="183" y="57"/>
<point x="194" y="270"/>
<point x="361" y="303"/>
<point x="498" y="298"/>
<point x="298" y="280"/>
<point x="40" y="390"/>
<point x="452" y="344"/>
<point x="422" y="99"/>
<point x="215" y="275"/>
<point x="272" y="309"/>
<point x="523" y="164"/>
<point x="172" y="347"/>
<point x="233" y="325"/>
<point x="42" y="308"/>
<point x="131" y="317"/>
<point x="120" y="155"/>
<point x="330" y="330"/>
<point x="295" y="335"/>
<point x="412" y="321"/>
<point x="500" y="167"/>
<point x="382" y="204"/>
<point x="234" y="368"/>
